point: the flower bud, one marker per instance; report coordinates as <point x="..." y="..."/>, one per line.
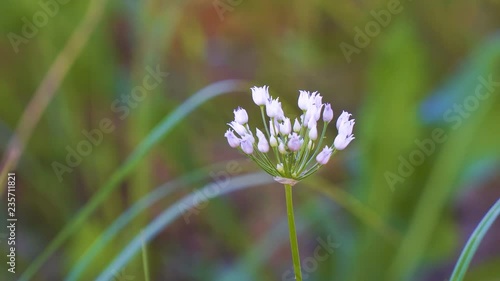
<point x="263" y="145"/>
<point x="232" y="139"/>
<point x="280" y="168"/>
<point x="313" y="133"/>
<point x="240" y="116"/>
<point x="294" y="142"/>
<point x="247" y="144"/>
<point x="273" y="141"/>
<point x="296" y="126"/>
<point x="303" y="100"/>
<point x="260" y="95"/>
<point x="327" y="113"/>
<point x="324" y="155"/>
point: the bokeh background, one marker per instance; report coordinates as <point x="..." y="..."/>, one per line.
<point x="403" y="68"/>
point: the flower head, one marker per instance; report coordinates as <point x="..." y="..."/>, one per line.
<point x="294" y="147"/>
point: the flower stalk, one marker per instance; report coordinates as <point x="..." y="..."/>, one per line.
<point x="294" y="245"/>
<point x="297" y="149"/>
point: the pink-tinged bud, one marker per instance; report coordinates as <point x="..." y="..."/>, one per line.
<point x="324" y="156"/>
<point x="232" y="139"/>
<point x="294" y="143"/>
<point x="247" y="144"/>
<point x="262" y="145"/>
<point x="327" y="113"/>
<point x="240" y="116"/>
<point x="341" y="141"/>
<point x="296" y="126"/>
<point x="286" y="127"/>
<point x="260" y="95"/>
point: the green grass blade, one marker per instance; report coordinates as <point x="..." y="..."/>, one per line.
<point x="176" y="210"/>
<point x="160" y="131"/>
<point x="473" y="243"/>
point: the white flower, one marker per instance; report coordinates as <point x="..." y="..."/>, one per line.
<point x="263" y="145"/>
<point x="286" y="127"/>
<point x="274" y="110"/>
<point x="344" y="117"/>
<point x="232" y="139"/>
<point x="324" y="155"/>
<point x="327" y="113"/>
<point x="346" y="127"/>
<point x="260" y="95"/>
<point x="240" y="116"/>
<point x="240" y="129"/>
<point x="303" y="100"/>
<point x="247" y="144"/>
<point x="341" y="141"/>
<point x="273" y="141"/>
<point x="294" y="143"/>
<point x="296" y="126"/>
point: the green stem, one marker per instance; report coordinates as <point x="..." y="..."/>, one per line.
<point x="294" y="245"/>
<point x="145" y="262"/>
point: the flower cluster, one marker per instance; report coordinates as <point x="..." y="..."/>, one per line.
<point x="295" y="147"/>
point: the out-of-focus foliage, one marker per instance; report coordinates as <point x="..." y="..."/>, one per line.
<point x="398" y="204"/>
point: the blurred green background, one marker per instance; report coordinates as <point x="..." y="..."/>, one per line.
<point x="399" y="202"/>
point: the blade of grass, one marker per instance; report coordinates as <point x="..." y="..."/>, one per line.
<point x="141" y="205"/>
<point x="175" y="211"/>
<point x="50" y="83"/>
<point x="473" y="243"/>
<point x="160" y="131"/>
